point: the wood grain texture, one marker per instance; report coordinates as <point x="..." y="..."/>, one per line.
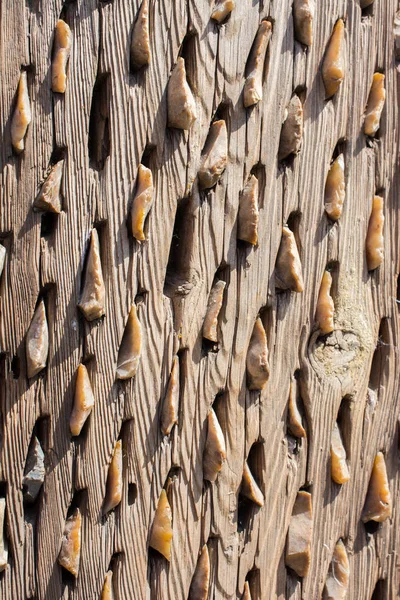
<point x="350" y="375"/>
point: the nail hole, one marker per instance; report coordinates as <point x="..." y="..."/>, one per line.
<point x="48" y="224"/>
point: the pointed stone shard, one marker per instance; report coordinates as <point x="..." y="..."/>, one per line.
<point x="378" y="503"/>
<point x="37" y="342"/>
<point x="375" y="241"/>
<point x="214" y="305"/>
<point x="253" y="92"/>
<point x="249" y="487"/>
<point x="61" y="52"/>
<point x="288" y="273"/>
<point x="214" y="450"/>
<point x="246" y="591"/>
<point x="257" y="365"/>
<point x="181" y="103"/>
<point x="34" y="473"/>
<point x="333" y="65"/>
<point x="335" y="189"/>
<point x="114" y="480"/>
<point x="201" y="578"/>
<point x="92" y="302"/>
<point x="83" y="401"/>
<point x="339" y="469"/>
<point x="294" y="417"/>
<point x="376" y="102"/>
<point x="337" y="580"/>
<point x="303" y="15"/>
<point x="222" y="10"/>
<point x="325" y="307"/>
<point x="3" y="253"/>
<point x="292" y="129"/>
<point x="298" y="545"/>
<point x="215" y="155"/>
<point x="3" y="540"/>
<point x="49" y="198"/>
<point x="22" y="115"/>
<point x="142" y="202"/>
<point x="108" y="590"/>
<point x="140" y="43"/>
<point x="248" y="212"/>
<point x="130" y="348"/>
<point x="70" y="552"/>
<point x="161" y="531"/>
<point x="170" y="407"/>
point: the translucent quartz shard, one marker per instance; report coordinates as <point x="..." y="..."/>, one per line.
<point x="333" y="64"/>
<point x="140" y="42"/>
<point x="292" y="129"/>
<point x="375" y="104"/>
<point x="325" y="307"/>
<point x="378" y="503"/>
<point x="170" y="407"/>
<point x="83" y="401"/>
<point x="22" y="115"/>
<point x="335" y="189"/>
<point x="130" y="348"/>
<point x="181" y="103"/>
<point x="249" y="487"/>
<point x="375" y="243"/>
<point x="252" y="92"/>
<point x="248" y="212"/>
<point x="201" y="578"/>
<point x="214" y="305"/>
<point x="142" y="202"/>
<point x="294" y="423"/>
<point x="214" y="449"/>
<point x="339" y="469"/>
<point x="37" y="342"/>
<point x="222" y="10"/>
<point x="61" y="52"/>
<point x="108" y="591"/>
<point x="337" y="580"/>
<point x="49" y="198"/>
<point x="114" y="480"/>
<point x="70" y="552"/>
<point x="288" y="274"/>
<point x="303" y="15"/>
<point x="298" y="545"/>
<point x="3" y="253"/>
<point x="246" y="591"/>
<point x="215" y="155"/>
<point x="34" y="472"/>
<point x="257" y="365"/>
<point x="3" y="541"/>
<point x="161" y="531"/>
<point x="92" y="302"/>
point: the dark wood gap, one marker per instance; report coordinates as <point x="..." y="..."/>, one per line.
<point x="99" y="123"/>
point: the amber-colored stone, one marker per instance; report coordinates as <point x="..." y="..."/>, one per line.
<point x="61" y="52"/>
<point x="108" y="590"/>
<point x="339" y="469"/>
<point x="288" y="273"/>
<point x="92" y="302"/>
<point x="257" y="365"/>
<point x="140" y="42"/>
<point x="37" y="342"/>
<point x="170" y="407"/>
<point x="325" y="307"/>
<point x="142" y="202"/>
<point x="294" y="420"/>
<point x="3" y="540"/>
<point x="335" y="189"/>
<point x="298" y="546"/>
<point x="201" y="578"/>
<point x="303" y="15"/>
<point x="22" y="115"/>
<point x="215" y="449"/>
<point x="375" y="241"/>
<point x="248" y="212"/>
<point x="215" y="155"/>
<point x="83" y="401"/>
<point x="222" y="10"/>
<point x="246" y="591"/>
<point x="333" y="65"/>
<point x="378" y="503"/>
<point x="114" y="480"/>
<point x="70" y="552"/>
<point x="253" y="92"/>
<point x="249" y="487"/>
<point x="214" y="305"/>
<point x="376" y="102"/>
<point x="292" y="129"/>
<point x="181" y="103"/>
<point x="130" y="348"/>
<point x="161" y="531"/>
<point x="337" y="581"/>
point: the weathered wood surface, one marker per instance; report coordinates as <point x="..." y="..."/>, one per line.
<point x="172" y="302"/>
